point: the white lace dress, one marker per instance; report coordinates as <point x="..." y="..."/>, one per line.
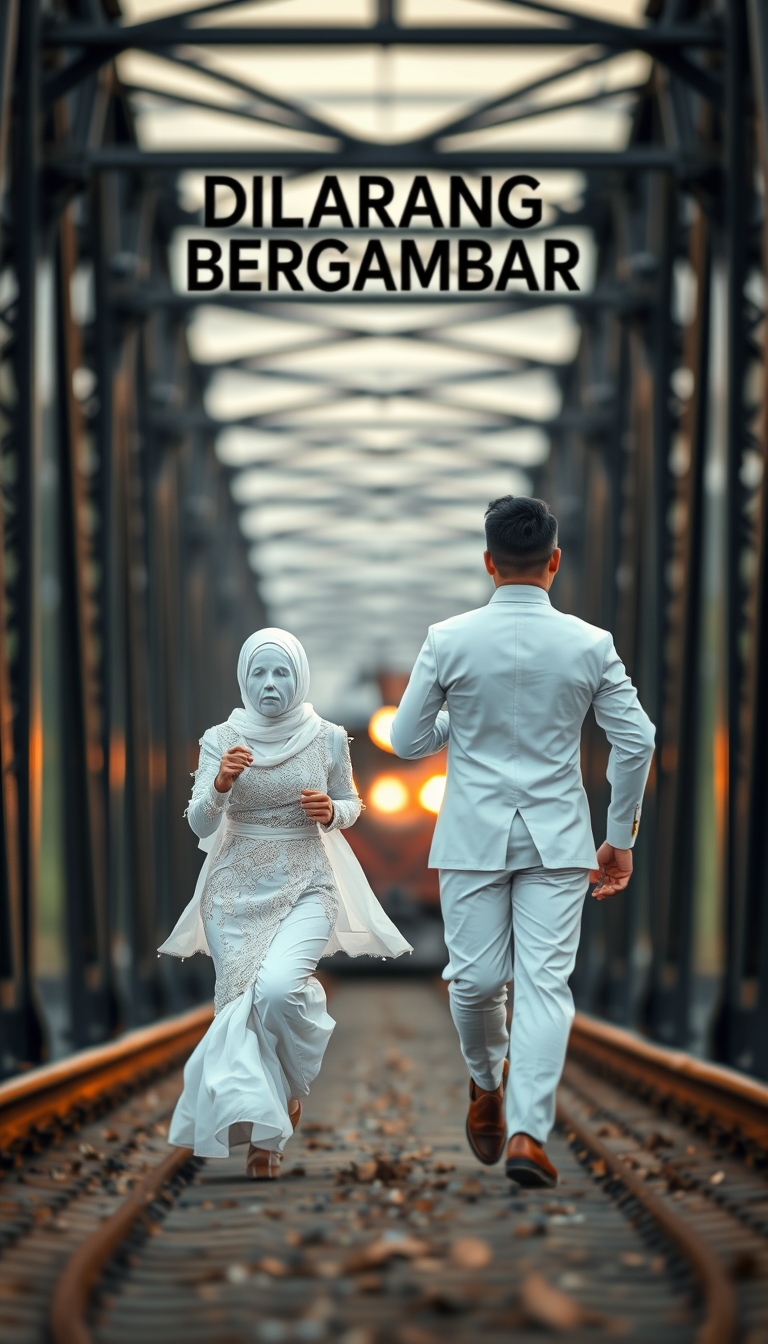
<point x="234" y="1085"/>
<point x="253" y="883"/>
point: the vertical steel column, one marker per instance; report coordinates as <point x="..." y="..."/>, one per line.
<point x="130" y="598"/>
<point x="87" y="921"/>
<point x="736" y="222"/>
<point x="14" y="967"/>
<point x="623" y="918"/>
<point x="748" y="1041"/>
<point x="12" y="943"/>
<point x="169" y="794"/>
<point x="609" y="926"/>
<point x="637" y="629"/>
<point x="9" y="36"/>
<point x="104" y="242"/>
<point x="668" y="974"/>
<point x="678" y="721"/>
<point x="24" y="1039"/>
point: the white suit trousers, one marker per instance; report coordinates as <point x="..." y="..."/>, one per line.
<point x="521" y="923"/>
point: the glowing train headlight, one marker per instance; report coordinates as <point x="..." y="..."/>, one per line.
<point x="431" y="793"/>
<point x="388" y="794"/>
<point x="379" y="726"/>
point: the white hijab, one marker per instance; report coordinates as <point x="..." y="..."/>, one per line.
<point x="273" y="739"/>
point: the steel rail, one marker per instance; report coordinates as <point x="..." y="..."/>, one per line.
<point x="37" y="1099"/>
<point x="71" y="1295"/>
<point x="581" y="1081"/>
<point x="719" y="1298"/>
<point x="716" y="1094"/>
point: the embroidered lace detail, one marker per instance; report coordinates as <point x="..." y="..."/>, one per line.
<point x="252" y="882"/>
<point x="212" y="803"/>
<point x="206" y="803"/>
<point x="348" y="805"/>
<point x="247" y="922"/>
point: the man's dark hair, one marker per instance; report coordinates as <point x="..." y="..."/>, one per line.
<point x="521" y="534"/>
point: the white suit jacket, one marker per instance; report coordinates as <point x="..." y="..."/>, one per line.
<point x="518" y="678"/>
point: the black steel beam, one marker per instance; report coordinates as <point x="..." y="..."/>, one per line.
<point x="142" y="300"/>
<point x="758" y="33"/>
<point x="365" y="156"/>
<point x="172" y="32"/>
<point x="96" y="44"/>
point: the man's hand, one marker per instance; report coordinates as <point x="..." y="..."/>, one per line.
<point x="317" y="806"/>
<point x="233" y="763"/>
<point x="614" y="872"/>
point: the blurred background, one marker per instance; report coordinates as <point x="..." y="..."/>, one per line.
<point x="179" y="469"/>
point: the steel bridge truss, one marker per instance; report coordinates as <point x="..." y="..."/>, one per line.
<point x="656" y="472"/>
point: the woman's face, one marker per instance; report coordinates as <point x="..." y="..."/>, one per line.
<point x="271" y="683"/>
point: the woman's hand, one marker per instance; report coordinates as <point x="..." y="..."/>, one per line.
<point x="317" y="806"/>
<point x="233" y="763"/>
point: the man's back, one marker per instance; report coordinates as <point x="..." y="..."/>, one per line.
<point x="518" y="678"/>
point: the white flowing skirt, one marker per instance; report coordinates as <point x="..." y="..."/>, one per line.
<point x="266" y="1043"/>
<point x="265" y="1046"/>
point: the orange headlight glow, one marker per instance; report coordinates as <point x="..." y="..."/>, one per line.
<point x="379" y="726"/>
<point x="388" y="794"/>
<point x="431" y="793"/>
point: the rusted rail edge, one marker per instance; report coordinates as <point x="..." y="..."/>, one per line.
<point x="72" y="1292"/>
<point x="719" y="1324"/>
<point x="39" y="1098"/>
<point x="723" y="1096"/>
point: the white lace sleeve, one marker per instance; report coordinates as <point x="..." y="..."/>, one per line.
<point x="206" y="804"/>
<point x="347" y="804"/>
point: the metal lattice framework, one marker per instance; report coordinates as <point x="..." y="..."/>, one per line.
<point x="357" y="436"/>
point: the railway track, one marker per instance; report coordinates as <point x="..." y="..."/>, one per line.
<point x="75" y="1138"/>
<point x="384" y="1227"/>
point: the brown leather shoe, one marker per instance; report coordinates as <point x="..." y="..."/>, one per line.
<point x="528" y="1164"/>
<point x="486" y="1130"/>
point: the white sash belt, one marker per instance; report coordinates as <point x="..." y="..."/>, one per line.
<point x="231" y="827"/>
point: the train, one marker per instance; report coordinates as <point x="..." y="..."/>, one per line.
<point x="393" y="835"/>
